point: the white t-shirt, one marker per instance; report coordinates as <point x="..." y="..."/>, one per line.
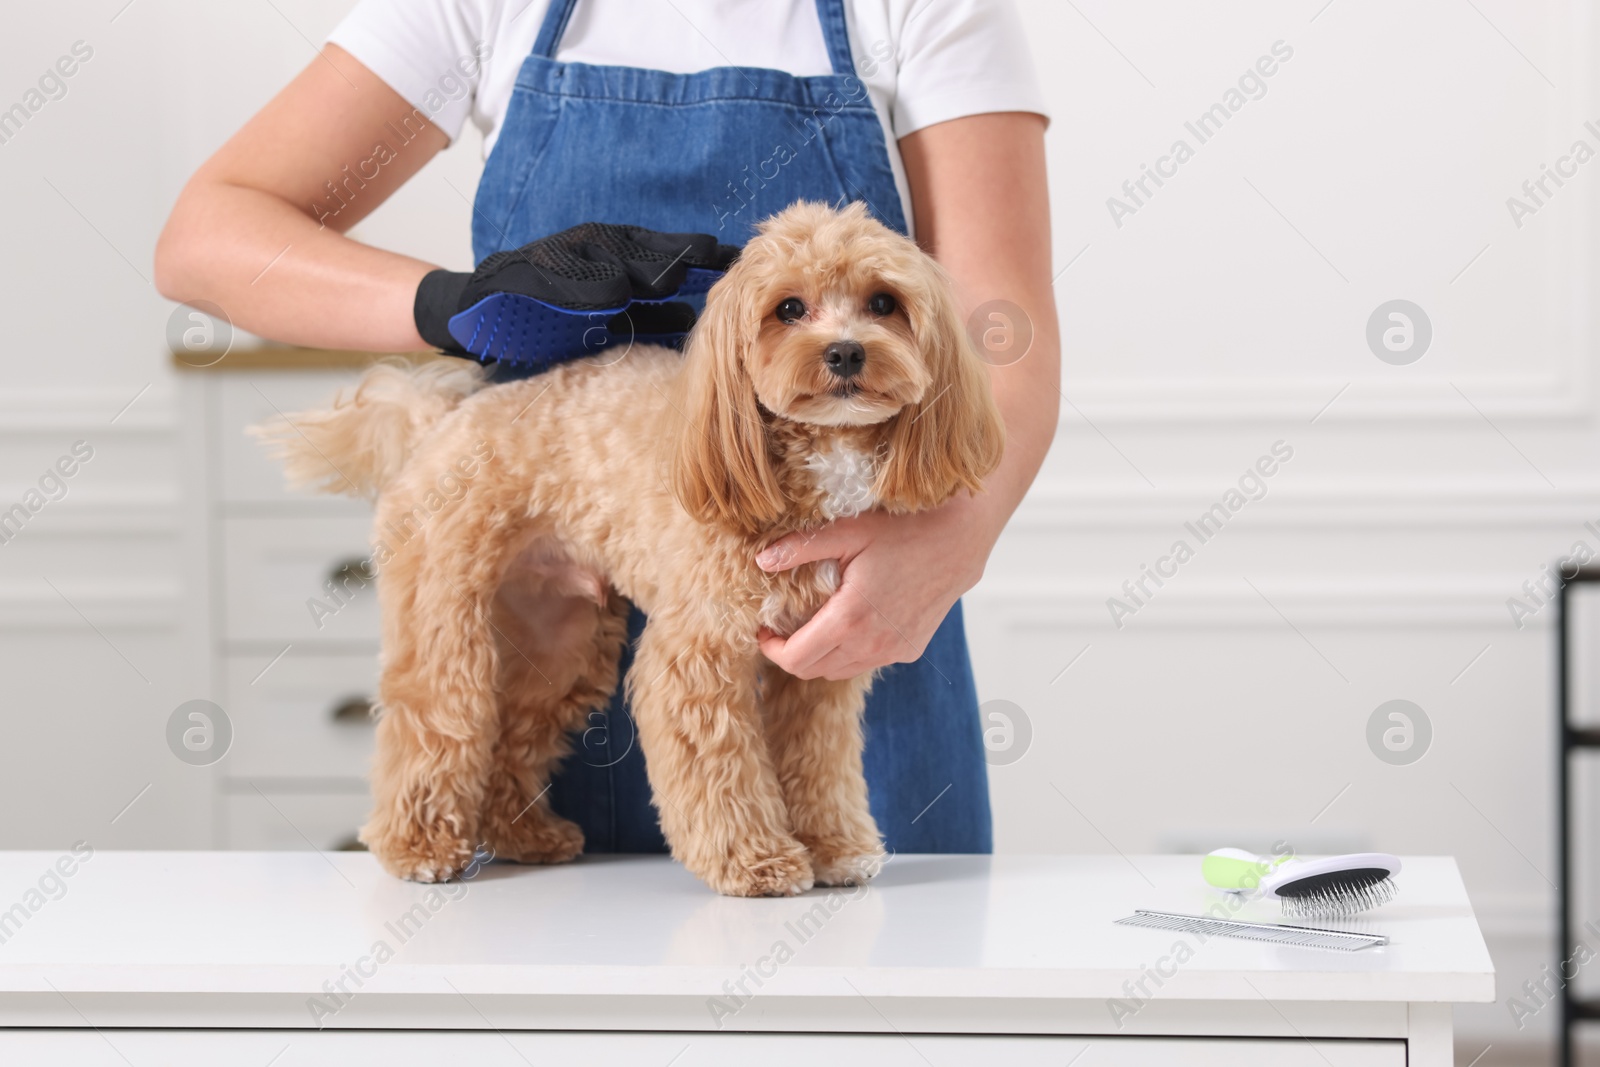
<point x="922" y="61"/>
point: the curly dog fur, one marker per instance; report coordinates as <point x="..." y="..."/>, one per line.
<point x="515" y="522"/>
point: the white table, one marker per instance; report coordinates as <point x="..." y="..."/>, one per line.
<point x="180" y="958"/>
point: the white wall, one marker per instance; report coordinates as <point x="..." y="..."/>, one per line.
<point x="1226" y="314"/>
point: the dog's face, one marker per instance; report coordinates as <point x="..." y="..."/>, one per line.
<point x="843" y="306"/>
<point x="830" y="319"/>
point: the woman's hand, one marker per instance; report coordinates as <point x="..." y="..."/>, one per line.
<point x="899" y="575"/>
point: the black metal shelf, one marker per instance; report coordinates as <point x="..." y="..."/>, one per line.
<point x="1573" y="739"/>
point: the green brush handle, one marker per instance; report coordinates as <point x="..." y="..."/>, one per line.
<point x="1234" y="868"/>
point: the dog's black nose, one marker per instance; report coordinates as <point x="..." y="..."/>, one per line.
<point x="845" y="358"/>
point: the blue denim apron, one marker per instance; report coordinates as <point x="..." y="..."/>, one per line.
<point x="715" y="152"/>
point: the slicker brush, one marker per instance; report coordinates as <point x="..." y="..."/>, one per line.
<point x="1328" y="888"/>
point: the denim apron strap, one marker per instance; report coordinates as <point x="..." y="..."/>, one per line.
<point x="556" y="17"/>
<point x="837" y="37"/>
<point x="715" y="152"/>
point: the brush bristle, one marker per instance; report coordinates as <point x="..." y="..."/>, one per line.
<point x="1339" y="899"/>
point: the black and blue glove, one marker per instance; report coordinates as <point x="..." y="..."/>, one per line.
<point x="572" y="294"/>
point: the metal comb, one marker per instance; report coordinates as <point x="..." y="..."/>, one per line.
<point x="1278" y="933"/>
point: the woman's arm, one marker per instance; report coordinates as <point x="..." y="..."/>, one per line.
<point x="259" y="229"/>
<point x="982" y="210"/>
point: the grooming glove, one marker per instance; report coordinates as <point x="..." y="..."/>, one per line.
<point x="572" y="294"/>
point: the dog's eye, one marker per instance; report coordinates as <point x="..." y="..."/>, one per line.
<point x="881" y="304"/>
<point x="792" y="310"/>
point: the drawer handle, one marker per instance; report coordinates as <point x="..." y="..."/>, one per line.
<point x="353" y="572"/>
<point x="352" y="710"/>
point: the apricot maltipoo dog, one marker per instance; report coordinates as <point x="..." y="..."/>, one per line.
<point x="829" y="374"/>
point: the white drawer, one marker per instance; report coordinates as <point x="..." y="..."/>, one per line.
<point x="245" y="473"/>
<point x="305" y="716"/>
<point x="280" y="821"/>
<point x="273" y="575"/>
<point x="332" y="1048"/>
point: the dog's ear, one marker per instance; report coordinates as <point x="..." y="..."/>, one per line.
<point x="723" y="472"/>
<point x="953" y="437"/>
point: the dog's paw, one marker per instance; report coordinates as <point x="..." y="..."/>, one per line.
<point x="541" y="838"/>
<point x="778" y="869"/>
<point x="856" y="869"/>
<point x="422" y="859"/>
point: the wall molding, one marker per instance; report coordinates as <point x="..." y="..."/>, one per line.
<point x="1390" y="505"/>
<point x="1204" y="603"/>
<point x="1163" y="402"/>
<point x="91" y="511"/>
<point x="87" y="410"/>
<point x="122" y="604"/>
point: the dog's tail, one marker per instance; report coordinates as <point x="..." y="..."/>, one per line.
<point x="362" y="442"/>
